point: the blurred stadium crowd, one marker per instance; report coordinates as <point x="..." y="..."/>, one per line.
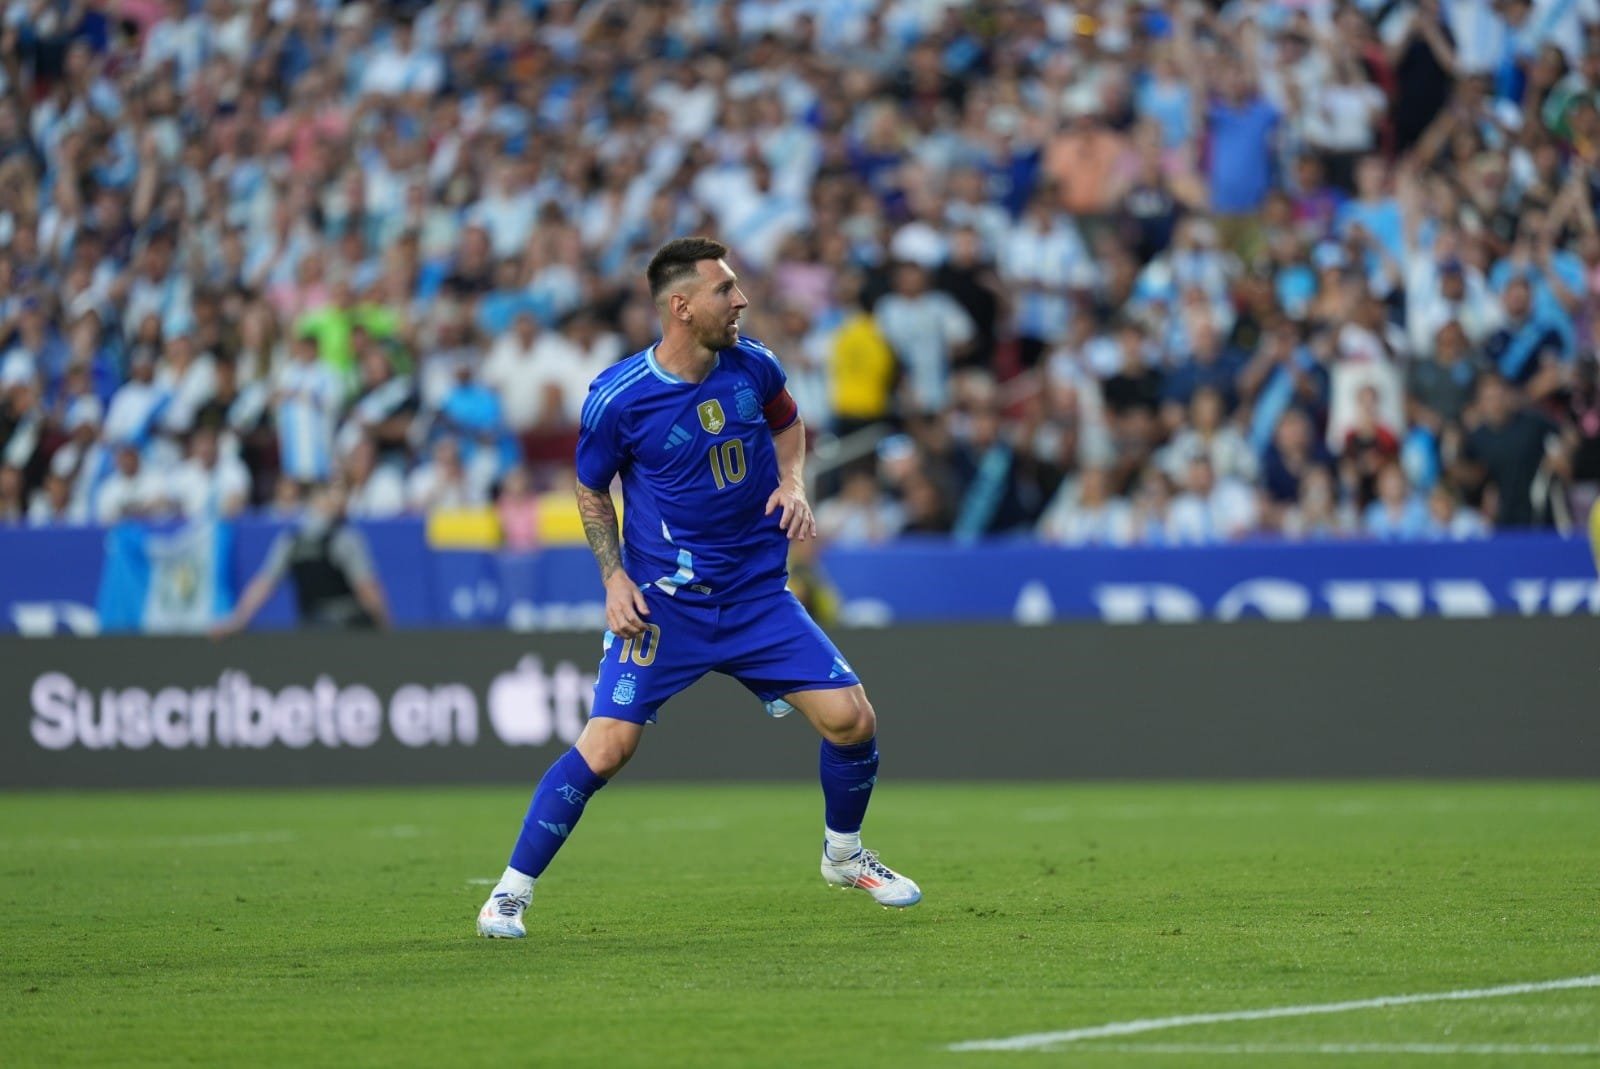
<point x="1112" y="271"/>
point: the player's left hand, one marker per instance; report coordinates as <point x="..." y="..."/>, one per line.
<point x="795" y="517"/>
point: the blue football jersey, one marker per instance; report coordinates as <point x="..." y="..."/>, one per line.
<point x="697" y="464"/>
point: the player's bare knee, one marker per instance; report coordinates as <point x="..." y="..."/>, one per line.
<point x="605" y="759"/>
<point x="607" y="744"/>
<point x="858" y="723"/>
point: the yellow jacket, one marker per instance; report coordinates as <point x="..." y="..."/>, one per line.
<point x="861" y="370"/>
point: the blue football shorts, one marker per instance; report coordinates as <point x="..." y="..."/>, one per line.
<point x="771" y="645"/>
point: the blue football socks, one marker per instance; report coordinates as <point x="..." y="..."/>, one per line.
<point x="557" y="804"/>
<point x="848" y="774"/>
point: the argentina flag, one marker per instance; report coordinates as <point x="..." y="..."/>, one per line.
<point x="165" y="581"/>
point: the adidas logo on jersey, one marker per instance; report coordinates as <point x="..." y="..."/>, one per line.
<point x="676" y="437"/>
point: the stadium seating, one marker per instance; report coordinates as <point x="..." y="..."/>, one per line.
<point x="1114" y="274"/>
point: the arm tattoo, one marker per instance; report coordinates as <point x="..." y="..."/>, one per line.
<point x="600" y="528"/>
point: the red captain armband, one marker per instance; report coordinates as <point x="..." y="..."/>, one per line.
<point x="781" y="412"/>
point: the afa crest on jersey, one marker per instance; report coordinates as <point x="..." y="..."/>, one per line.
<point x="744" y="399"/>
<point x="711" y="417"/>
<point x="626" y="690"/>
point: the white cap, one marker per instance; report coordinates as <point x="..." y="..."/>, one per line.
<point x="1329" y="254"/>
<point x="85" y="409"/>
<point x="17" y="370"/>
<point x="64" y="462"/>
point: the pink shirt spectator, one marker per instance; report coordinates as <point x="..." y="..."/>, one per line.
<point x="518" y="510"/>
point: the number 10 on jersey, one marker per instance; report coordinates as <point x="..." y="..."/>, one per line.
<point x="727" y="463"/>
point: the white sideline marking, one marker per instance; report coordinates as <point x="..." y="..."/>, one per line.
<point x="1035" y="1040"/>
<point x="1341" y="1048"/>
<point x="483" y="881"/>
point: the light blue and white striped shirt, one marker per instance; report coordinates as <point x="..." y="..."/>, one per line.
<point x="310" y="396"/>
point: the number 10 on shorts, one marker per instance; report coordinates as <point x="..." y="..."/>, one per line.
<point x="642" y="650"/>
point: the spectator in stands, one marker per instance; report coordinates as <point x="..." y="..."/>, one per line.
<point x="1208" y="364"/>
<point x="1440" y="384"/>
<point x="1295" y="453"/>
<point x="1424" y="61"/>
<point x="1527" y="348"/>
<point x="333" y="326"/>
<point x="1243" y="128"/>
<point x="1210" y="509"/>
<point x="377" y="490"/>
<point x="968" y="276"/>
<point x="861" y="365"/>
<point x="1042" y="257"/>
<point x="1155" y="198"/>
<point x="288" y="501"/>
<point x="91" y="367"/>
<point x="188" y="379"/>
<point x="1512" y="450"/>
<point x="36" y="343"/>
<point x="1448" y="291"/>
<point x="1083" y="513"/>
<point x="517" y="507"/>
<point x="472" y="416"/>
<point x="444" y="482"/>
<point x="540" y="376"/>
<point x="1318" y="513"/>
<point x="928" y="332"/>
<point x="1396" y="513"/>
<point x="305" y="402"/>
<point x="1369" y="338"/>
<point x="927" y="508"/>
<point x="860" y="514"/>
<point x="1152" y="507"/>
<point x="83" y="460"/>
<point x="51" y="505"/>
<point x="129" y="492"/>
<point x="985" y="464"/>
<point x="1448" y="521"/>
<point x="1581" y="434"/>
<point x="1372" y="223"/>
<point x="1206" y="435"/>
<point x="1132" y="393"/>
<point x="385" y="409"/>
<point x="210" y="485"/>
<point x="137" y="402"/>
<point x="1343" y="119"/>
<point x="1084" y="159"/>
<point x="21" y="418"/>
<point x="238" y="412"/>
<point x="13" y="505"/>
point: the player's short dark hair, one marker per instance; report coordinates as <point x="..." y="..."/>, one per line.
<point x="675" y="261"/>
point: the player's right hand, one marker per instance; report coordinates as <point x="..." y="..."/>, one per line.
<point x="625" y="606"/>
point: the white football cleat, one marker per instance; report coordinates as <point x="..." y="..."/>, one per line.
<point x="501" y="916"/>
<point x="887" y="887"/>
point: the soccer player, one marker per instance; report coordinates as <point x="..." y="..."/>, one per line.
<point x="711" y="450"/>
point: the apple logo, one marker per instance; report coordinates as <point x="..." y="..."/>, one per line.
<point x="519" y="705"/>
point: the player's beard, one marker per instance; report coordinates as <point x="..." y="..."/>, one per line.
<point x="719" y="337"/>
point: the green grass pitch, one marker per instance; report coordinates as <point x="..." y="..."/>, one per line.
<point x="688" y="926"/>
